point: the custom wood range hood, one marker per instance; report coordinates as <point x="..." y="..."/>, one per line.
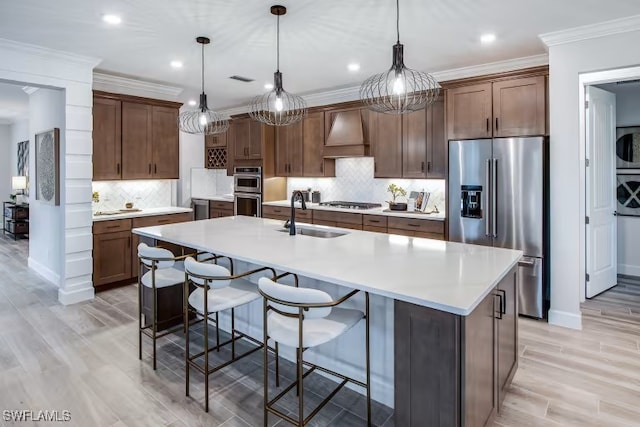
<point x="347" y="134"/>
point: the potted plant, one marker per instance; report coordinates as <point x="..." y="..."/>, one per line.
<point x="395" y="192"/>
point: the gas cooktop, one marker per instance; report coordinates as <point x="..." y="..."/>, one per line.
<point x="351" y="205"/>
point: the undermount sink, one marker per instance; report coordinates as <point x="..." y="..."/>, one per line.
<point x="316" y="232"/>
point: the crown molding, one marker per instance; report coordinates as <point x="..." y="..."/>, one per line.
<point x="492" y="68"/>
<point x="585" y="32"/>
<point x="32" y="49"/>
<point x="352" y="93"/>
<point x="29" y="89"/>
<point x="128" y="85"/>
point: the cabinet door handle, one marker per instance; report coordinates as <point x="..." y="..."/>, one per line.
<point x="118" y="169"/>
<point x="499" y="311"/>
<point x="503" y="301"/>
<point x="129" y="242"/>
<point x="155" y="168"/>
<point x="322" y="167"/>
<point x="113" y="226"/>
<point x="422" y="167"/>
<point x="496" y="124"/>
<point x="428" y="166"/>
<point x="374" y="220"/>
<point x="149" y="168"/>
<point x="487" y="124"/>
<point x="163" y="221"/>
<point x="413" y="225"/>
<point x="375" y="166"/>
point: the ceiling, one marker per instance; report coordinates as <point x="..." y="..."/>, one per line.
<point x="14" y="103"/>
<point x="318" y="38"/>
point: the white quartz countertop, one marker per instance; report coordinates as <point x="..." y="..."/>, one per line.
<point x="375" y="211"/>
<point x="446" y="276"/>
<point x="143" y="212"/>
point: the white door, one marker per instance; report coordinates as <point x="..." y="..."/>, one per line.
<point x="601" y="233"/>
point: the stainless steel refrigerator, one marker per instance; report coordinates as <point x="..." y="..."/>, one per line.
<point x="497" y="197"/>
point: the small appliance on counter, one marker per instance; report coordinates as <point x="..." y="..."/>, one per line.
<point x="315" y="197"/>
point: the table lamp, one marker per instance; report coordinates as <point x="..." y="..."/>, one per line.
<point x="19" y="183"/>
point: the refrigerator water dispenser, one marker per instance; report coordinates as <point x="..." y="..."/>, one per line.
<point x="471" y="200"/>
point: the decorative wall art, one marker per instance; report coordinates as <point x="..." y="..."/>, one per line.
<point x="628" y="147"/>
<point x="628" y="195"/>
<point x="48" y="166"/>
<point x="23" y="162"/>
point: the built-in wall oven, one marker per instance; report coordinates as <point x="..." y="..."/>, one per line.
<point x="247" y="191"/>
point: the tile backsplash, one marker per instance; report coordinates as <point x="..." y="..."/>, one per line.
<point x="144" y="194"/>
<point x="206" y="183"/>
<point x="354" y="182"/>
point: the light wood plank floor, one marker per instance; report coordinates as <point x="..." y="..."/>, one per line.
<point x="83" y="358"/>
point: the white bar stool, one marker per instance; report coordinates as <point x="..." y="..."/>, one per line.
<point x="161" y="272"/>
<point x="303" y="318"/>
<point x="216" y="289"/>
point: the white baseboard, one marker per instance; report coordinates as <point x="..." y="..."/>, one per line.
<point x="629" y="270"/>
<point x="45" y="272"/>
<point x="565" y="319"/>
<point x="75" y="296"/>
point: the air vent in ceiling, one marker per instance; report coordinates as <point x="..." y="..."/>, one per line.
<point x="629" y="82"/>
<point x="242" y="79"/>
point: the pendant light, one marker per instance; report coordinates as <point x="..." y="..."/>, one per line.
<point x="202" y="120"/>
<point x="401" y="89"/>
<point x="278" y="107"/>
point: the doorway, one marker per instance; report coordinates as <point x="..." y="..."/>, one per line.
<point x="612" y="179"/>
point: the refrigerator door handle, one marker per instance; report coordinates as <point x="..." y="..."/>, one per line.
<point x="494" y="197"/>
<point x="487" y="183"/>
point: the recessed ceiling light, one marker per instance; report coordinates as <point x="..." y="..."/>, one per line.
<point x="353" y="67"/>
<point x="192" y="103"/>
<point x="268" y="86"/>
<point x="176" y="64"/>
<point x="487" y="38"/>
<point x="112" y="19"/>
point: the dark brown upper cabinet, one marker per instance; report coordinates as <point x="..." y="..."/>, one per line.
<point x="469" y="112"/>
<point x="248" y="138"/>
<point x="107" y="139"/>
<point x="134" y="138"/>
<point x="436" y="141"/>
<point x="289" y="147"/>
<point x="216" y="141"/>
<point x="385" y="137"/>
<point x="503" y="108"/>
<point x="519" y="107"/>
<point x="314" y="163"/>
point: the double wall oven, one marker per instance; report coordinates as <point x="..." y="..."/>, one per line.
<point x="247" y="191"/>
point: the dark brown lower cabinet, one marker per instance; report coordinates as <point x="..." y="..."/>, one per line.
<point x="111" y="259"/>
<point x="452" y="370"/>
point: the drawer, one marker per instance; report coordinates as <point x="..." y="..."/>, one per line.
<point x="374" y="229"/>
<point x="14" y="212"/>
<point x="220" y="213"/>
<point x="338" y="217"/>
<point x="215" y="204"/>
<point x="348" y="225"/>
<point x="275" y="211"/>
<point x="112" y="226"/>
<point x="150" y="221"/>
<point x="378" y="221"/>
<point x="18" y="227"/>
<point x="417" y="225"/>
<point x="304" y="215"/>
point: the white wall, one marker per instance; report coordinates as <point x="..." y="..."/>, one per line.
<point x="5" y="165"/>
<point x="191" y="156"/>
<point x="46" y="111"/>
<point x="41" y="67"/>
<point x="567" y="62"/>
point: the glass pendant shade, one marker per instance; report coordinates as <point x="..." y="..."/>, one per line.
<point x="202" y="120"/>
<point x="400" y="89"/>
<point x="278" y="107"/>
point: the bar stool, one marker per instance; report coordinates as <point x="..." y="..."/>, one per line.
<point x="303" y="318"/>
<point x="216" y="289"/>
<point x="161" y="272"/>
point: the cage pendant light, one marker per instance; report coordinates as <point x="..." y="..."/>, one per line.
<point x="202" y="120"/>
<point x="278" y="107"/>
<point x="400" y="89"/>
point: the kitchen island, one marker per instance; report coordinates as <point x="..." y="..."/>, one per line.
<point x="444" y="328"/>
